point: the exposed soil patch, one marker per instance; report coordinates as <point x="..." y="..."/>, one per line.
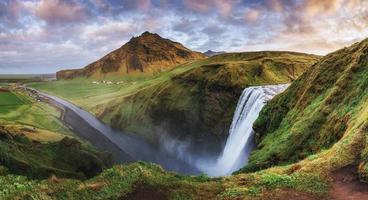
<point x="290" y="194"/>
<point x="346" y="185"/>
<point x="4" y="90"/>
<point x="142" y="191"/>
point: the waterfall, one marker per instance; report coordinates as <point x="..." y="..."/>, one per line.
<point x="240" y="141"/>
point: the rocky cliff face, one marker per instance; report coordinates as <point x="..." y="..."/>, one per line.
<point x="148" y="53"/>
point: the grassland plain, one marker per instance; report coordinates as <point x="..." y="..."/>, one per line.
<point x="17" y="108"/>
<point x="194" y="99"/>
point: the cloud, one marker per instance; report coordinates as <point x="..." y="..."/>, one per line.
<point x="60" y="11"/>
<point x="224" y="7"/>
<point x="107" y="32"/>
<point x="252" y="15"/>
<point x="58" y="34"/>
<point x="199" y="6"/>
<point x="317" y="7"/>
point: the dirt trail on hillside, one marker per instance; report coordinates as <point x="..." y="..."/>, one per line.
<point x="346" y="185"/>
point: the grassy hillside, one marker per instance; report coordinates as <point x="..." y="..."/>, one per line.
<point x="38" y="159"/>
<point x="33" y="141"/>
<point x="321" y="118"/>
<point x="195" y="99"/>
<point x="199" y="103"/>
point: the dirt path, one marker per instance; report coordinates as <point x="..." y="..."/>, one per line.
<point x="346" y="185"/>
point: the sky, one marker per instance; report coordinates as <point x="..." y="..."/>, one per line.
<point x="44" y="36"/>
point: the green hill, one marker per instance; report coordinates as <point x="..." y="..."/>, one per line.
<point x="200" y="102"/>
<point x="321" y="118"/>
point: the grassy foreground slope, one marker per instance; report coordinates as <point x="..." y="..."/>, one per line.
<point x="148" y="181"/>
<point x="322" y="116"/>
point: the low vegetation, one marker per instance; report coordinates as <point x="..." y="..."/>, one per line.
<point x="149" y="181"/>
<point x="17" y="108"/>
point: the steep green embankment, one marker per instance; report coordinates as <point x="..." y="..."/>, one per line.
<point x="64" y="158"/>
<point x="322" y="116"/>
<point x="33" y="140"/>
<point x="199" y="102"/>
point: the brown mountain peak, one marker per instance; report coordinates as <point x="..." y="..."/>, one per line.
<point x="148" y="53"/>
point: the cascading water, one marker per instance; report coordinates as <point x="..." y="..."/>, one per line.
<point x="241" y="135"/>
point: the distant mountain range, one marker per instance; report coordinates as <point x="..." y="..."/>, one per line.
<point x="210" y="53"/>
<point x="148" y="53"/>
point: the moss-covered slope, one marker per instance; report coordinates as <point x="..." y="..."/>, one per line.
<point x="64" y="158"/>
<point x="324" y="112"/>
<point x="141" y="181"/>
<point x="199" y="103"/>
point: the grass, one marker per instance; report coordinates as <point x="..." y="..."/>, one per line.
<point x="323" y="114"/>
<point x="18" y="108"/>
<point x="130" y="181"/>
<point x="65" y="158"/>
<point x="9" y="102"/>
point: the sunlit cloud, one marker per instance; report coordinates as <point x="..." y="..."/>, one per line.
<point x="49" y="35"/>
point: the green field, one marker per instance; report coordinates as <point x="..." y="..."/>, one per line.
<point x="84" y="93"/>
<point x="8" y="102"/>
<point x="9" y="99"/>
<point x="17" y="108"/>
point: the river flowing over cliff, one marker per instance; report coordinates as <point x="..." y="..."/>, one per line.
<point x="240" y="141"/>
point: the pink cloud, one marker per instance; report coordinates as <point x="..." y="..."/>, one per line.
<point x="199" y="6"/>
<point x="224" y="7"/>
<point x="59" y="11"/>
<point x="252" y="15"/>
<point x="275" y="5"/>
<point x="143" y="5"/>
